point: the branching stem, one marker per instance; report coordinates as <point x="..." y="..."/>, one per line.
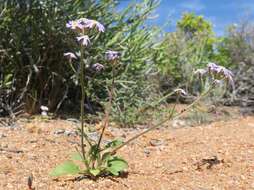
<point x="172" y="116"/>
<point x="109" y="107"/>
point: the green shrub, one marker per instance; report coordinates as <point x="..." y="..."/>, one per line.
<point x="34" y="38"/>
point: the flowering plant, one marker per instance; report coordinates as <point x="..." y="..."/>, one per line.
<point x="96" y="158"/>
<point x="101" y="159"/>
<point x="215" y="72"/>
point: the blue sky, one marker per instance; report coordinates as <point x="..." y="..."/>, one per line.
<point x="220" y="12"/>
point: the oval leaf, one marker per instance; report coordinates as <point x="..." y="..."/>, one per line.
<point x="67" y="168"/>
<point x="116" y="165"/>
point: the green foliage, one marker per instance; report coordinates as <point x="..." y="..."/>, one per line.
<point x="192" y="24"/>
<point x="97" y="162"/>
<point x="34" y="38"/>
<point x="67" y="168"/>
<point x="239" y="44"/>
<point x="101" y="160"/>
<point x="189" y="48"/>
<point x="222" y="54"/>
<point x="183" y="57"/>
<point x="116" y="165"/>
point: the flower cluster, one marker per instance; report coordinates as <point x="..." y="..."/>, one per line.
<point x="221" y="72"/>
<point x="97" y="67"/>
<point x="218" y="71"/>
<point x="81" y="26"/>
<point x="112" y="55"/>
<point x="83" y="23"/>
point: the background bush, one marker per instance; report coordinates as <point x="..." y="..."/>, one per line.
<point x="239" y="42"/>
<point x="34" y="39"/>
<point x="33" y="71"/>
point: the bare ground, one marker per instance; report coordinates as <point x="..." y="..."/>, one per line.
<point x="216" y="156"/>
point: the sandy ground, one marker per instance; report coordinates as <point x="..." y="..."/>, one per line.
<point x="215" y="156"/>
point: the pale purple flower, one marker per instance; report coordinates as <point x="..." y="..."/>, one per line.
<point x="94" y="24"/>
<point x="217" y="69"/>
<point x="70" y="55"/>
<point x="97" y="67"/>
<point x="227" y="73"/>
<point x="74" y="25"/>
<point x="222" y="71"/>
<point x="214" y="68"/>
<point x="112" y="55"/>
<point x="83" y="23"/>
<point x="84" y="40"/>
<point x="180" y="92"/>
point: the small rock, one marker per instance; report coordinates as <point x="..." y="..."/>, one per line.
<point x="70" y="133"/>
<point x="2" y="135"/>
<point x="178" y="123"/>
<point x="59" y="132"/>
<point x="243" y="177"/>
<point x="185" y="169"/>
<point x="156" y="142"/>
<point x="33" y="141"/>
<point x="147" y="152"/>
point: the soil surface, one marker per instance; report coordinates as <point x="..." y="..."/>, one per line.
<point x="214" y="156"/>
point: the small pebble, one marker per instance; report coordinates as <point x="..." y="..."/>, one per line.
<point x="33" y="141"/>
<point x="59" y="132"/>
<point x="156" y="142"/>
<point x="2" y="135"/>
<point x="70" y="133"/>
<point x="147" y="152"/>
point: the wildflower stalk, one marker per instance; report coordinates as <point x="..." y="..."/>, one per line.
<point x="82" y="84"/>
<point x="172" y="116"/>
<point x="109" y="107"/>
<point x="145" y="108"/>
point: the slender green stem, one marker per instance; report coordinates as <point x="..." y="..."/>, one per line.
<point x="165" y="120"/>
<point x="109" y="107"/>
<point x="145" y="108"/>
<point x="82" y="84"/>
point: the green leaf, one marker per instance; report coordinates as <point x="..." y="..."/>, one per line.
<point x="116" y="165"/>
<point x="67" y="168"/>
<point x="114" y="143"/>
<point x="95" y="172"/>
<point x="76" y="156"/>
<point x="106" y="156"/>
